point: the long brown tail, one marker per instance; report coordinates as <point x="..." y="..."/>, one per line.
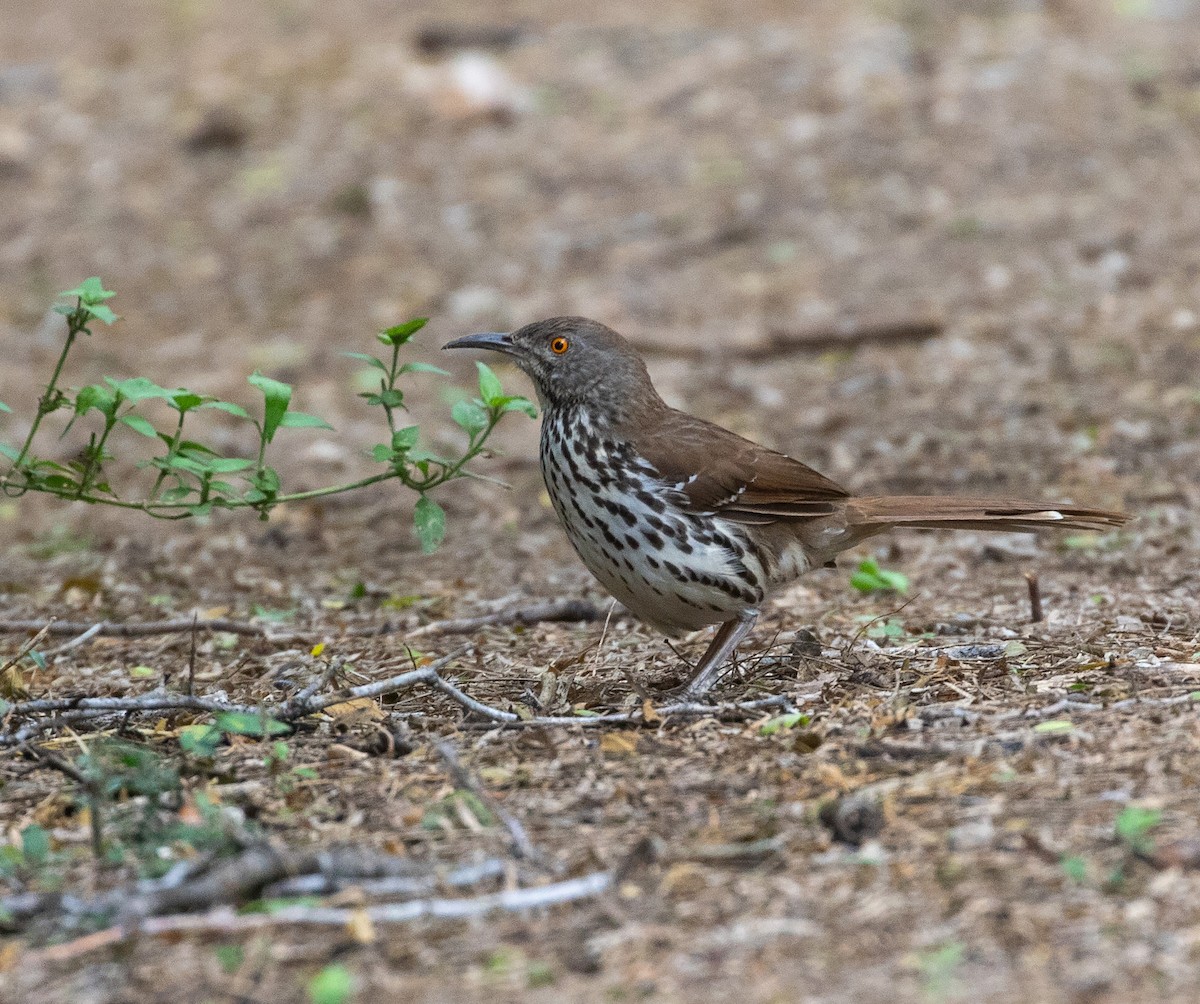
<point x="933" y="512"/>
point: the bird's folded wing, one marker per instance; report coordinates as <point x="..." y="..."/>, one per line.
<point x="717" y="471"/>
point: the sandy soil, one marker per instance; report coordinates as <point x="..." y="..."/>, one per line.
<point x="266" y="185"/>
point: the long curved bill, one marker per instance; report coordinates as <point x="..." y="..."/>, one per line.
<point x="497" y="341"/>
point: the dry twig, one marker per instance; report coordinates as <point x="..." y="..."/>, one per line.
<point x="522" y="846"/>
<point x="224" y="920"/>
<point x="557" y="610"/>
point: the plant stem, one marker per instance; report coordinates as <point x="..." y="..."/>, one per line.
<point x="49" y="400"/>
<point x="96" y="453"/>
<point x="172" y="447"/>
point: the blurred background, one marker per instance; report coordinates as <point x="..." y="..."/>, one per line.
<point x="923" y="245"/>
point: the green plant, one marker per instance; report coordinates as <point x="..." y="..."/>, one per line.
<point x="132" y="795"/>
<point x="890" y="628"/>
<point x="28" y="854"/>
<point x="939" y="970"/>
<point x="191" y="478"/>
<point x="441" y="814"/>
<point x="786" y="721"/>
<point x="202" y="740"/>
<point x="332" y="985"/>
<point x="1134" y="827"/>
<point x="1075" y="868"/>
<point x="285" y="777"/>
<point x="870" y="578"/>
<point x="230" y="957"/>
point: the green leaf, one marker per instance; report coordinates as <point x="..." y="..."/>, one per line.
<point x="382" y="453"/>
<point x="420" y="454"/>
<point x="370" y="360"/>
<point x="11" y="452"/>
<point x="230" y="957"/>
<point x="186" y="400"/>
<point x="302" y="420"/>
<point x="58" y="482"/>
<point x="95" y="396"/>
<point x="400" y="333"/>
<point x="191" y="448"/>
<point x="4" y="407"/>
<point x="142" y="389"/>
<point x="489" y="385"/>
<point x="870" y="578"/>
<point x="229" y="465"/>
<point x="388" y="398"/>
<point x="267" y="480"/>
<point x="228" y="407"/>
<point x="406" y="438"/>
<point x="332" y="985"/>
<point x="243" y="723"/>
<point x="277" y="396"/>
<point x="1055" y="727"/>
<point x="423" y="368"/>
<point x="1134" y="825"/>
<point x="200" y="740"/>
<point x="100" y="312"/>
<point x="430" y="521"/>
<point x="90" y="291"/>
<point x="1075" y="868"/>
<point x="35" y="843"/>
<point x="470" y="416"/>
<point x="521" y="404"/>
<point x="139" y="424"/>
<point x="788" y="721"/>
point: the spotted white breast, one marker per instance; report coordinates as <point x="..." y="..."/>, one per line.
<point x="676" y="569"/>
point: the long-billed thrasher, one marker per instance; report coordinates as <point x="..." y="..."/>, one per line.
<point x="687" y="523"/>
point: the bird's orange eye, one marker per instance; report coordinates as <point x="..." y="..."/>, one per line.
<point x="559" y="345"/>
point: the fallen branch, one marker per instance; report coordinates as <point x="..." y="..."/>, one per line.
<point x="116" y="629"/>
<point x="843" y="335"/>
<point x="325" y="882"/>
<point x="682" y="709"/>
<point x="257" y="870"/>
<point x="851" y="333"/>
<point x="554" y="611"/>
<point x="82" y="632"/>
<point x="306" y="702"/>
<point x="71" y="709"/>
<point x="225" y="920"/>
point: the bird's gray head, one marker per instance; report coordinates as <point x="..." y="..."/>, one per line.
<point x="574" y="361"/>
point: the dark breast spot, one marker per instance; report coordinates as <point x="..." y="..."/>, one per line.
<point x="651" y="501"/>
<point x="611" y="538"/>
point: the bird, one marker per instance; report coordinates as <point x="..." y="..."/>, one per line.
<point x="687" y="523"/>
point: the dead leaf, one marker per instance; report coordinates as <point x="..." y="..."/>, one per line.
<point x="361" y="709"/>
<point x="618" y="744"/>
<point x="361" y="927"/>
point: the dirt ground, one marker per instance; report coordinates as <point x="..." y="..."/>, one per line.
<point x="265" y="185"/>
